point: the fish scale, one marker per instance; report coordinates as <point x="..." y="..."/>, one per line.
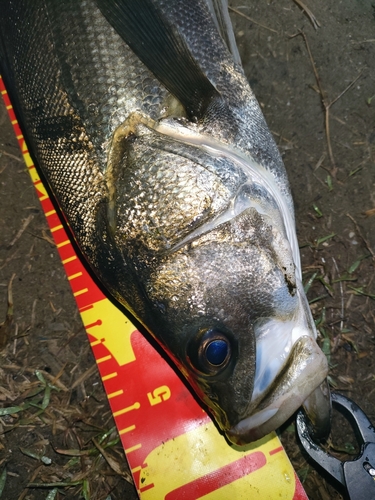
<point x="112" y="91"/>
<point x="165" y="185"/>
<point x="160" y="159"/>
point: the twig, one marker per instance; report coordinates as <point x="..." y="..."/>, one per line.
<point x="15" y="339"/>
<point x="22" y="229"/>
<point x="33" y="313"/>
<point x="310" y="15"/>
<point x="50" y="377"/>
<point x="11" y="257"/>
<point x="88" y="373"/>
<point x="367" y="244"/>
<point x="320" y="162"/>
<point x="112" y="463"/>
<point x="323" y="98"/>
<point x="11" y="156"/>
<point x="250" y="19"/>
<point x="344" y="91"/>
<point x="56" y="378"/>
<point x="370" y="40"/>
<point x="6" y="325"/>
<point x="80" y="329"/>
<point x="44" y="237"/>
<point x="33" y="476"/>
<point x="342" y="296"/>
<point x="326" y="105"/>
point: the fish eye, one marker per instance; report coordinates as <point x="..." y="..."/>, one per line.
<point x="216" y="352"/>
<point x="211" y="351"/>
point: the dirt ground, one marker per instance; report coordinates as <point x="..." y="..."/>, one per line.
<point x="333" y="184"/>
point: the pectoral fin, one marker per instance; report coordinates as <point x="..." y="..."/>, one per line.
<point x="143" y="25"/>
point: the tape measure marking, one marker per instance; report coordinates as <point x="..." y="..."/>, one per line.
<point x="165" y="423"/>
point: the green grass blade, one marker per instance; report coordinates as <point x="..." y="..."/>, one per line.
<point x="13" y="409"/>
<point x="310" y="282"/>
<point x="324" y="238"/>
<point x="52" y="494"/>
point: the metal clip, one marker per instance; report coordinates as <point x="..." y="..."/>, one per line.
<point x="358" y="475"/>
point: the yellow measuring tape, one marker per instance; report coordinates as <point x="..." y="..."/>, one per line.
<point x="174" y="450"/>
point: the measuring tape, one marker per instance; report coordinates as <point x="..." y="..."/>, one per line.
<point x="174" y="450"/>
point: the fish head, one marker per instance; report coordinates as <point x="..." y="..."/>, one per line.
<point x="230" y="309"/>
<point x="217" y="284"/>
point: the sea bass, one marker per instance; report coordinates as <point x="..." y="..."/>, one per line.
<point x="141" y="120"/>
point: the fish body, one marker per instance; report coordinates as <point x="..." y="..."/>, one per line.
<point x="145" y="127"/>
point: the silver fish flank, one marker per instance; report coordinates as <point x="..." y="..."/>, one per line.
<point x="140" y="118"/>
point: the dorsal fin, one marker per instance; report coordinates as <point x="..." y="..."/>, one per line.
<point x="220" y="14"/>
<point x="152" y="37"/>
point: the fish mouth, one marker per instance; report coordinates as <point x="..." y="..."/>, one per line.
<point x="302" y="383"/>
<point x="291" y="371"/>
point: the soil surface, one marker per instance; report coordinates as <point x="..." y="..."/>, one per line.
<point x="321" y="110"/>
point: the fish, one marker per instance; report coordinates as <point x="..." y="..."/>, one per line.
<point x="143" y="124"/>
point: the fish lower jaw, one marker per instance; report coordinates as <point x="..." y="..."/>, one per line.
<point x="306" y="374"/>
